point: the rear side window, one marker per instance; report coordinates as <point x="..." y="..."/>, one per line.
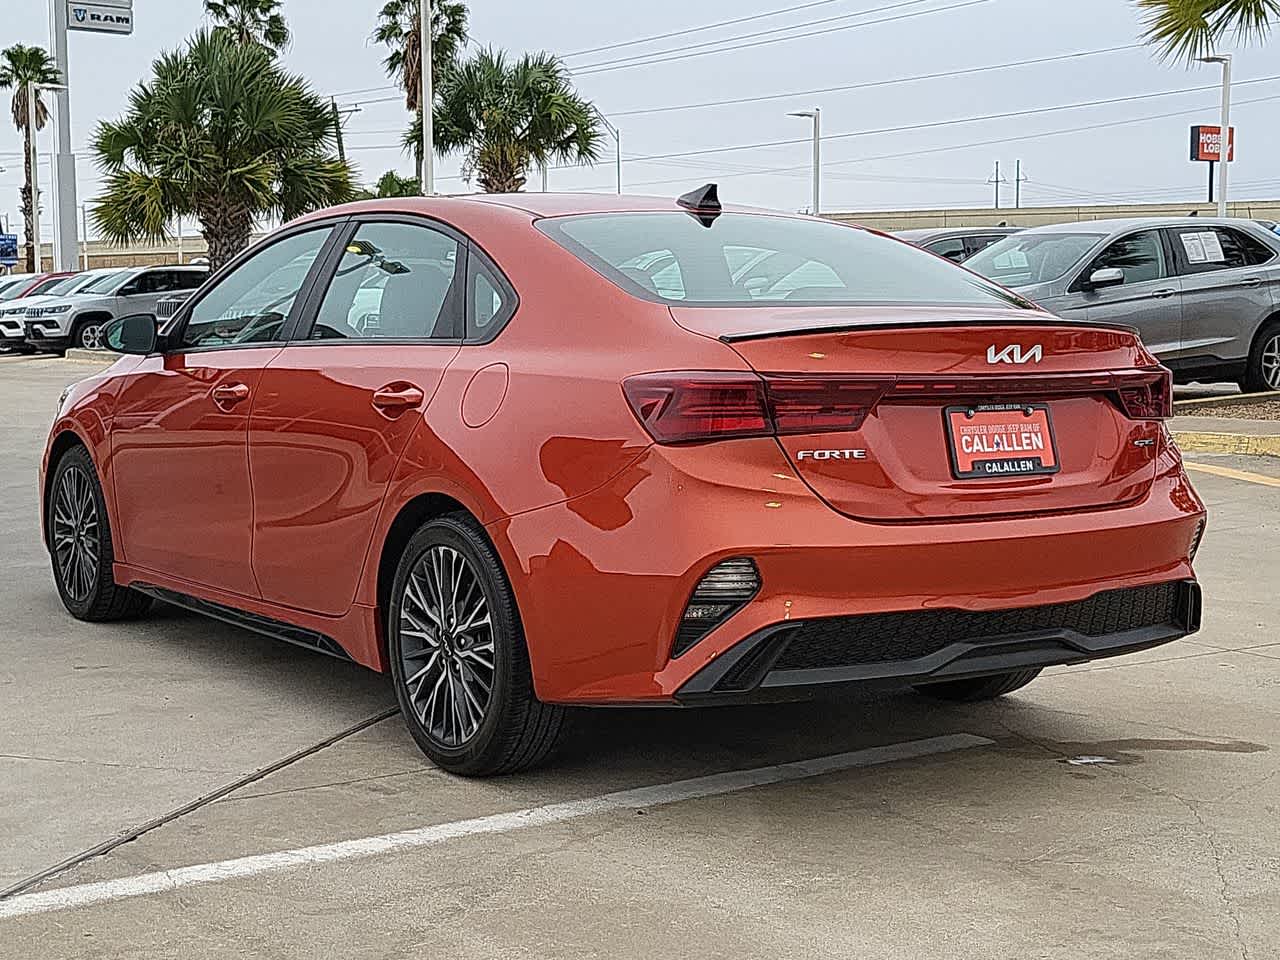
<point x="491" y="302"/>
<point x="1205" y="249"/>
<point x="757" y="259"/>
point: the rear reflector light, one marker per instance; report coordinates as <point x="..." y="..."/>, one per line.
<point x="1147" y="396"/>
<point x="1196" y="539"/>
<point x="686" y="407"/>
<point x="718" y="595"/>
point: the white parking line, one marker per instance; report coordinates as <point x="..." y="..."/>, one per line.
<point x="655" y="796"/>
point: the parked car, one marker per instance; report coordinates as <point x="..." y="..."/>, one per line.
<point x="957" y="244"/>
<point x="13" y="284"/>
<point x="1204" y="293"/>
<point x="481" y="444"/>
<point x="168" y="306"/>
<point x="78" y="321"/>
<point x="13" y="314"/>
<point x="31" y="284"/>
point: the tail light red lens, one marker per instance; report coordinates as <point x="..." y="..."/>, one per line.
<point x="1146" y="396"/>
<point x="687" y="407"/>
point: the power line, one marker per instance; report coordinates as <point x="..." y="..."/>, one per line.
<point x="705" y="26"/>
<point x="899" y="4"/>
<point x="873" y="83"/>
<point x="607" y="66"/>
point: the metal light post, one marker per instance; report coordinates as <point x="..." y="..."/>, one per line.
<point x="32" y="88"/>
<point x="64" y="161"/>
<point x="816" y="116"/>
<point x="1224" y="143"/>
<point x="428" y="102"/>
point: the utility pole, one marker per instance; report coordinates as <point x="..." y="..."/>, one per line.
<point x="1018" y="181"/>
<point x="816" y="116"/>
<point x="337" y="129"/>
<point x="84" y="230"/>
<point x="617" y="145"/>
<point x="64" y="160"/>
<point x="1224" y="142"/>
<point x="997" y="181"/>
<point x="428" y="103"/>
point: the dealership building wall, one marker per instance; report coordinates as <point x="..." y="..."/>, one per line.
<point x="102" y="254"/>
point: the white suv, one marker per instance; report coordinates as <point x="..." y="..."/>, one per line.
<point x="77" y="320"/>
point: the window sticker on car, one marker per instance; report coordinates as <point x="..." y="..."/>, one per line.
<point x="1213" y="247"/>
<point x="1194" y="246"/>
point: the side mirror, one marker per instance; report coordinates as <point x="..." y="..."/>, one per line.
<point x="1109" y="277"/>
<point x="135" y="335"/>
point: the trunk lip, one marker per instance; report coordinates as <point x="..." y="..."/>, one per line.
<point x="1043" y="320"/>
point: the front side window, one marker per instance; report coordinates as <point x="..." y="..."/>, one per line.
<point x="952" y="248"/>
<point x="252" y="303"/>
<point x="396" y="281"/>
<point x="1028" y="258"/>
<point x="1139" y="256"/>
<point x="1205" y="249"/>
<point x="753" y="258"/>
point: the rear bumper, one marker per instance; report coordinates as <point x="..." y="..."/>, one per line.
<point x="799" y="660"/>
<point x="602" y="580"/>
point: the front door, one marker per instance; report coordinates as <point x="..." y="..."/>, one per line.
<point x="338" y="405"/>
<point x="1150" y="298"/>
<point x="180" y="434"/>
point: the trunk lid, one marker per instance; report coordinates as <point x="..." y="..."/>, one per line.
<point x="958" y="390"/>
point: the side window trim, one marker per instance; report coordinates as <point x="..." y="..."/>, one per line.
<point x="179" y="326"/>
<point x="300" y="333"/>
<point x="476" y="257"/>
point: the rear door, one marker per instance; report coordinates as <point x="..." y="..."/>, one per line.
<point x="1150" y="298"/>
<point x="338" y="404"/>
<point x="1229" y="281"/>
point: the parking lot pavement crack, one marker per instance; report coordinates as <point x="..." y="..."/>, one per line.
<point x="128" y="836"/>
<point x="1224" y="891"/>
<point x="107" y="763"/>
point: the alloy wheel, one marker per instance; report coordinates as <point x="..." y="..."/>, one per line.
<point x="1271" y="363"/>
<point x="76" y="533"/>
<point x="91" y="336"/>
<point x="447" y="646"/>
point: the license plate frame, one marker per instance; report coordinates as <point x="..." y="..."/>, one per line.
<point x="1029" y="461"/>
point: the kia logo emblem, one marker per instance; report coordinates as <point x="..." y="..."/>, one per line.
<point x="1015" y="353"/>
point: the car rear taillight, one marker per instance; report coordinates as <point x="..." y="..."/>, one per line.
<point x="695" y="406"/>
<point x="1146" y="396"/>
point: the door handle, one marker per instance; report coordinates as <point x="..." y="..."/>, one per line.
<point x="227" y="395"/>
<point x="397" y="396"/>
<point x="1252" y="281"/>
<point x="1162" y="294"/>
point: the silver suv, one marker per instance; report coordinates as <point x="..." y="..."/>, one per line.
<point x="1203" y="293"/>
<point x="77" y="320"/>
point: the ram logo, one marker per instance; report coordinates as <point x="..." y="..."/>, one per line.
<point x="1014" y="353"/>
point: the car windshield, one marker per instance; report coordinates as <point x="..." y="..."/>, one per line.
<point x="104" y="283"/>
<point x="10" y="288"/>
<point x="53" y="287"/>
<point x="759" y="259"/>
<point x="1027" y="258"/>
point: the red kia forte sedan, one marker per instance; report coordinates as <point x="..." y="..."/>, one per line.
<point x="524" y="452"/>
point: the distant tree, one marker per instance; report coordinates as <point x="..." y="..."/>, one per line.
<point x="251" y="21"/>
<point x="222" y="133"/>
<point x="1188" y="29"/>
<point x="22" y="67"/>
<point x="391" y="184"/>
<point x="508" y="116"/>
<point x="400" y="28"/>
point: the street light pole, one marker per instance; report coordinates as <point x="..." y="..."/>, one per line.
<point x="34" y="160"/>
<point x="428" y="101"/>
<point x="1224" y="142"/>
<point x="816" y="116"/>
<point x="64" y="163"/>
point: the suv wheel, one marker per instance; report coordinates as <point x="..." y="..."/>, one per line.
<point x="1263" y="373"/>
<point x="458" y="655"/>
<point x="88" y="335"/>
<point x="80" y="545"/>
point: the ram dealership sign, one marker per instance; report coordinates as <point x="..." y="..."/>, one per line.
<point x="101" y="16"/>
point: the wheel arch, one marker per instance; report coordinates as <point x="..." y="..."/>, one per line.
<point x="1270" y="325"/>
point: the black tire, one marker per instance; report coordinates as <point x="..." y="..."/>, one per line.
<point x="93" y="595"/>
<point x="515" y="730"/>
<point x="978" y="688"/>
<point x="79" y="333"/>
<point x="1262" y="374"/>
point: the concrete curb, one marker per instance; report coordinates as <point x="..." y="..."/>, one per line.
<point x="92" y="356"/>
<point x="1239" y="399"/>
<point x="1235" y="443"/>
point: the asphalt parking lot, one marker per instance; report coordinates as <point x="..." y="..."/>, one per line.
<point x="1126" y="809"/>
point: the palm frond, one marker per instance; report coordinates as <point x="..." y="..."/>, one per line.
<point x="1186" y="30"/>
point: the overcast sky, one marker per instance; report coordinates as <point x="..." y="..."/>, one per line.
<point x="1126" y="152"/>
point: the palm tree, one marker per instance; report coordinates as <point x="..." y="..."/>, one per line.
<point x="251" y="21"/>
<point x="509" y="116"/>
<point x="1188" y="29"/>
<point x="220" y="132"/>
<point x="400" y="28"/>
<point x="391" y="184"/>
<point x="22" y="67"/>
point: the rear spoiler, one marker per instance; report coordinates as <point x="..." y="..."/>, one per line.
<point x="1033" y="321"/>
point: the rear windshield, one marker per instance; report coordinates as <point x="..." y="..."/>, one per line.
<point x="753" y="258"/>
<point x="1027" y="258"/>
